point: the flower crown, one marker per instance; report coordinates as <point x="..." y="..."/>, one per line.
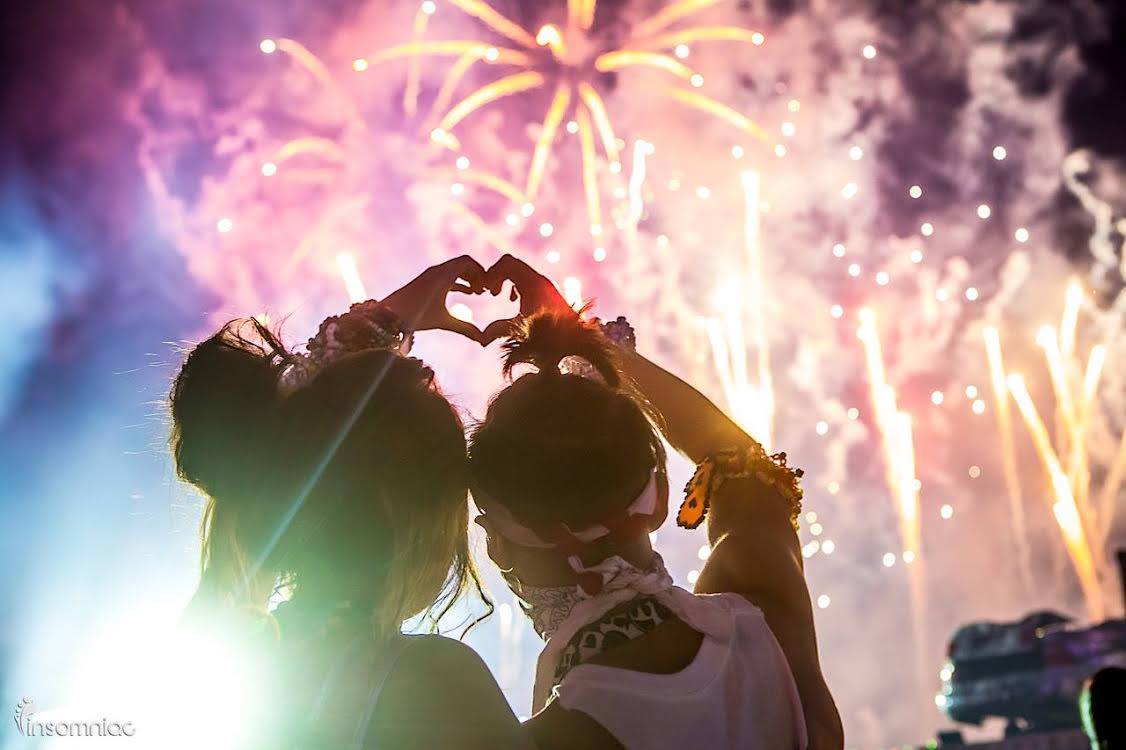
<point x="367" y="326"/>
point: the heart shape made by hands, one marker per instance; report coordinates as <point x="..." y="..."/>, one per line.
<point x="492" y="314"/>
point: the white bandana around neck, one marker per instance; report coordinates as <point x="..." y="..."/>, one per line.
<point x="558" y="612"/>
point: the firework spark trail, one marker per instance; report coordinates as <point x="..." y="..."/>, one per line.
<point x="496" y="21"/>
<point x="669" y="15"/>
<point x="310" y="62"/>
<point x="636" y="204"/>
<point x="507" y="86"/>
<point x="414" y="64"/>
<point x="1008" y="454"/>
<point x="1079" y="470"/>
<point x="896" y="436"/>
<point x="350" y="274"/>
<point x="721" y="111"/>
<point x="486" y="180"/>
<point x="752" y="244"/>
<point x="1064" y="508"/>
<point x="601" y="119"/>
<point x="590" y="173"/>
<point x="704" y="34"/>
<point x="751" y="403"/>
<point x="457" y="72"/>
<point x="642" y="51"/>
<point x="628" y="58"/>
<point x="898" y="443"/>
<point x="559" y="103"/>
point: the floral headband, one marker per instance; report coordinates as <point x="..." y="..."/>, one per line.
<point x="367" y="326"/>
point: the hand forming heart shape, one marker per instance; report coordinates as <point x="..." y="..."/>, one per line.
<point x="421" y="304"/>
<point x="534" y="290"/>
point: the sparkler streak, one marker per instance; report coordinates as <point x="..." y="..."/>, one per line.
<point x="310" y="62"/>
<point x="1008" y="454"/>
<point x="308" y="145"/>
<point x="346" y="262"/>
<point x="701" y="34"/>
<point x="414" y="65"/>
<point x="586" y="16"/>
<point x="752" y="243"/>
<point x="669" y="15"/>
<point x="460" y="67"/>
<point x="513" y="84"/>
<point x="451" y="48"/>
<point x="496" y="21"/>
<point x="1048" y="341"/>
<point x="898" y="455"/>
<point x="628" y="58"/>
<point x="597" y="111"/>
<point x="720" y="110"/>
<point x="1065" y="510"/>
<point x="484" y="179"/>
<point x="636" y="197"/>
<point x="590" y="171"/>
<point x="555" y="112"/>
<point x="1070" y="319"/>
<point x="1079" y="472"/>
<point x="899" y="464"/>
<point x="751" y="403"/>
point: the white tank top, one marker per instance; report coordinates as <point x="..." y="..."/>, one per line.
<point x="738" y="692"/>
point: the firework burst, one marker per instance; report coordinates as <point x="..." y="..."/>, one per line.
<point x="570" y="60"/>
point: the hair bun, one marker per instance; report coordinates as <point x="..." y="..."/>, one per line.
<point x="221" y="403"/>
<point x="546" y="338"/>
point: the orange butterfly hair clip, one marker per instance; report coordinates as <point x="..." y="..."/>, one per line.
<point x="735" y="463"/>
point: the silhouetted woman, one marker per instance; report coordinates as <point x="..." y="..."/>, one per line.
<point x="341" y="476"/>
<point x="570" y="473"/>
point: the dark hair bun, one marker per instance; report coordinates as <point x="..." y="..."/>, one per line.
<point x="222" y="400"/>
<point x="547" y="338"/>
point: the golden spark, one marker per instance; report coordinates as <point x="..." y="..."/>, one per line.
<point x="567" y="58"/>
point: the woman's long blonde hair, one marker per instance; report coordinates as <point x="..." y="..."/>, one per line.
<point x="351" y="488"/>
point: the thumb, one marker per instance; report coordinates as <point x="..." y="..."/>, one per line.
<point x="497" y="329"/>
<point x="464" y="328"/>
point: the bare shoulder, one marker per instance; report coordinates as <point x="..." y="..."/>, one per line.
<point x="556" y="728"/>
<point x="441" y="692"/>
<point x="446" y="668"/>
<point x="428" y="652"/>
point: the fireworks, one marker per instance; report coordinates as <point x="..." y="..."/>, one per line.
<point x="898" y="444"/>
<point x="1008" y="453"/>
<point x="314" y="194"/>
<point x="751" y="402"/>
<point x="567" y="59"/>
<point x="1084" y="525"/>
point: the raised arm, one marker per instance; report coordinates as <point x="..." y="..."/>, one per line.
<point x="755" y="551"/>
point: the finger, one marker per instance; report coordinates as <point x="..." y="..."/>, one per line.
<point x="495" y="276"/>
<point x="466" y="268"/>
<point x="498" y="329"/>
<point x="511" y="268"/>
<point x="464" y="328"/>
<point x="464" y="288"/>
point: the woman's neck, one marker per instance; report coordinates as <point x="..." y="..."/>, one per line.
<point x="538" y="567"/>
